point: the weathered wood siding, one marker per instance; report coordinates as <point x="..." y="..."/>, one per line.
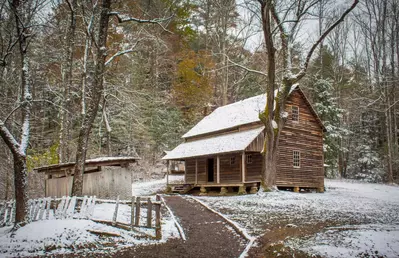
<point x="230" y="173"/>
<point x="254" y="169"/>
<point x="305" y="136"/>
<point x="202" y="173"/>
<point x="190" y="171"/>
<point x="108" y="183"/>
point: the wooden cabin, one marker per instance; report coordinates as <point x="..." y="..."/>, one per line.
<point x="105" y="177"/>
<point x="224" y="148"/>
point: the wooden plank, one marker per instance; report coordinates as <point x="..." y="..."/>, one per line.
<point x="37" y="208"/>
<point x="137" y="216"/>
<point x="48" y="207"/>
<point x="243" y="166"/>
<point x="13" y="212"/>
<point x="158" y="232"/>
<point x="116" y="211"/>
<point x="149" y="213"/>
<point x="92" y="206"/>
<point x="42" y="209"/>
<point x="196" y="171"/>
<point x="218" y="169"/>
<point x="132" y="213"/>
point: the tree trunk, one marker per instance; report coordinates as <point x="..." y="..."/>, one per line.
<point x="95" y="91"/>
<point x="21" y="186"/>
<point x="65" y="136"/>
<point x="269" y="151"/>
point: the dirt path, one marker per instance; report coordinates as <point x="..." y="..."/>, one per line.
<point x="208" y="235"/>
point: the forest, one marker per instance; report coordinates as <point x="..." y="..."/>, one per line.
<point x="132" y="77"/>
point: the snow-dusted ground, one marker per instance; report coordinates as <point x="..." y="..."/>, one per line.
<point x="154" y="186"/>
<point x="72" y="236"/>
<point x="367" y="213"/>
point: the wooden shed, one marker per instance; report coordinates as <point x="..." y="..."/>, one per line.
<point x="105" y="177"/>
<point x="224" y="148"/>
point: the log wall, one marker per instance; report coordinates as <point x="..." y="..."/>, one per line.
<point x="305" y="136"/>
<point x="254" y="169"/>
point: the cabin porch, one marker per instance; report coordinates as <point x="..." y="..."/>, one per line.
<point x="227" y="172"/>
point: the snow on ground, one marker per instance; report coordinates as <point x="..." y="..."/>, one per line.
<point x="155" y="186"/>
<point x="366" y="207"/>
<point x="72" y="235"/>
<point x="353" y="241"/>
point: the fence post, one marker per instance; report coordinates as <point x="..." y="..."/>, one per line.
<point x="48" y="207"/>
<point x="149" y="213"/>
<point x="42" y="208"/>
<point x="132" y="213"/>
<point x="137" y="218"/>
<point x="115" y="212"/>
<point x="158" y="232"/>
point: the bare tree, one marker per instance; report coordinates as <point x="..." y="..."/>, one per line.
<point x="274" y="119"/>
<point x="22" y="12"/>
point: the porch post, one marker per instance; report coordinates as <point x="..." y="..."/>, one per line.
<point x="218" y="169"/>
<point x="167" y="172"/>
<point x="196" y="171"/>
<point x="243" y="166"/>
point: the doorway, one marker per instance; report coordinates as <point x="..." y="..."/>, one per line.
<point x="211" y="171"/>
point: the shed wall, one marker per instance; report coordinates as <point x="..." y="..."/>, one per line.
<point x="108" y="183"/>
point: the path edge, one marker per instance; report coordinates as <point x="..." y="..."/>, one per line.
<point x="242" y="232"/>
<point x="177" y="224"/>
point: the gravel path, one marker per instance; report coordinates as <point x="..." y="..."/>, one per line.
<point x="208" y="235"/>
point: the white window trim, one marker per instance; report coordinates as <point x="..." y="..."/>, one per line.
<point x="299" y="158"/>
<point x="297" y="107"/>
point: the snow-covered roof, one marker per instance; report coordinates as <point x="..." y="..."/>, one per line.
<point x="101" y="161"/>
<point x="238" y="113"/>
<point x="225" y="143"/>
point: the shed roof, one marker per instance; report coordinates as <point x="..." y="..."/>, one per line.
<point x="102" y="161"/>
<point x="225" y="143"/>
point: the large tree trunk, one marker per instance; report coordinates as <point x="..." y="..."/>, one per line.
<point x="95" y="92"/>
<point x="21" y="186"/>
<point x="269" y="150"/>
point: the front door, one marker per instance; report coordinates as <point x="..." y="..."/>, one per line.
<point x="211" y="172"/>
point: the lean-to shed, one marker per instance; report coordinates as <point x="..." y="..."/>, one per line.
<point x="105" y="177"/>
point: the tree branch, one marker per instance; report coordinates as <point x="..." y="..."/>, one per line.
<point x="246" y="68"/>
<point x="302" y="72"/>
<point x="120" y="53"/>
<point x="8" y="138"/>
<point x="122" y="18"/>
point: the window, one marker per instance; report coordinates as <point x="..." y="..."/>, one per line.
<point x="295" y="113"/>
<point x="232" y="161"/>
<point x="296" y="159"/>
<point x="249" y="159"/>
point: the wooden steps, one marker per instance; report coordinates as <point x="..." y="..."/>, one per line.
<point x="183" y="188"/>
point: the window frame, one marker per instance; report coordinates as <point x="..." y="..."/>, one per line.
<point x="296" y="114"/>
<point x="296" y="159"/>
<point x="232" y="161"/>
<point x="249" y="159"/>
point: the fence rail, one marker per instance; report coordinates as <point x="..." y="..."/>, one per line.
<point x="83" y="208"/>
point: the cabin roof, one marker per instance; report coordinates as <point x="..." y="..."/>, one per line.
<point x="239" y="113"/>
<point x="226" y="143"/>
<point x="242" y="112"/>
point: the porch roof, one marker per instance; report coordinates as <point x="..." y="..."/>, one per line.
<point x="233" y="142"/>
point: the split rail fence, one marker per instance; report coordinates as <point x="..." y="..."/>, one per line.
<point x="83" y="208"/>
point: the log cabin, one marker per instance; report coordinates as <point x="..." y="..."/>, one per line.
<point x="224" y="149"/>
